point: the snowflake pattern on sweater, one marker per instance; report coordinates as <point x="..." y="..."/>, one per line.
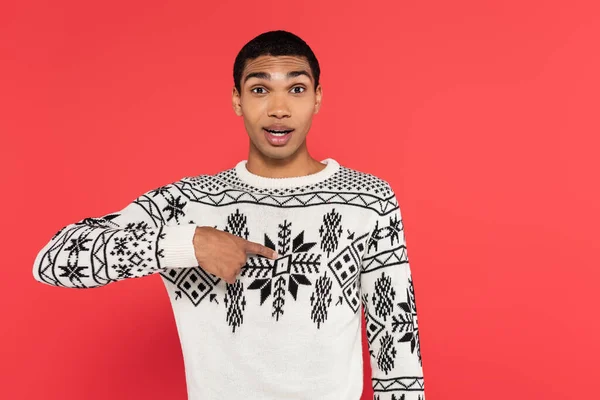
<point x="340" y="239"/>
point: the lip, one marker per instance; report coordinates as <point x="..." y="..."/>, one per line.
<point x="279" y="127"/>
<point x="277" y="140"/>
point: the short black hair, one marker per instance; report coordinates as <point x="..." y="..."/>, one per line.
<point x="274" y="43"/>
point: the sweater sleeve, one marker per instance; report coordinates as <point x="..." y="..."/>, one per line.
<point x="146" y="236"/>
<point x="388" y="299"/>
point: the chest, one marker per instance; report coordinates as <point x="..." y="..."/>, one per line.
<point x="320" y="253"/>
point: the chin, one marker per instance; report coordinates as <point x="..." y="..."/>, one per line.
<point x="278" y="154"/>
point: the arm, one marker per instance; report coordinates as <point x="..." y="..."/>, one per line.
<point x="143" y="238"/>
<point x="388" y="299"/>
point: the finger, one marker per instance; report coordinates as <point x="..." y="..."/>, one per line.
<point x="257" y="248"/>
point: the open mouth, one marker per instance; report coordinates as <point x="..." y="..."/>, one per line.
<point x="278" y="132"/>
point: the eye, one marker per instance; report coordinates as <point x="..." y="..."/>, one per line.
<point x="298" y="87"/>
<point x="253" y="90"/>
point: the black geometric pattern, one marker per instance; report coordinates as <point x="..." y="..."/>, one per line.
<point x="406" y="321"/>
<point x="331" y="231"/>
<point x="383" y="296"/>
<point x="196" y="283"/>
<point x="410" y="387"/>
<point x="320" y="300"/>
<point x="236" y="224"/>
<point x="394" y="397"/>
<point x="387" y="353"/>
<point x="276" y="278"/>
<point x="235" y="301"/>
<point x="402" y="397"/>
<point x="132" y="249"/>
<point x="94" y="252"/>
<point x="385" y="259"/>
<point x="387" y="296"/>
<point x="175" y="205"/>
<point x="346" y="186"/>
<point x="345" y="267"/>
<point x="405" y="388"/>
<point x="344" y="180"/>
<point x="287" y="273"/>
<point x="373" y="326"/>
<point x="391" y="231"/>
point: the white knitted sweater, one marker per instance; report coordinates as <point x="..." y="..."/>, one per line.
<point x="288" y="328"/>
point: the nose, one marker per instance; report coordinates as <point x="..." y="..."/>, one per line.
<point x="278" y="107"/>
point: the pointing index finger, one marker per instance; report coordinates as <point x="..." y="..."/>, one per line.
<point x="257" y="248"/>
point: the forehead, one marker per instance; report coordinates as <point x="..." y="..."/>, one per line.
<point x="272" y="64"/>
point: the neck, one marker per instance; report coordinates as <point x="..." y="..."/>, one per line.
<point x="298" y="164"/>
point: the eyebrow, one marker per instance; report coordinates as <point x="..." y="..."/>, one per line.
<point x="267" y="76"/>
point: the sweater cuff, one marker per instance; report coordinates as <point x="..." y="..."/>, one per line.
<point x="178" y="246"/>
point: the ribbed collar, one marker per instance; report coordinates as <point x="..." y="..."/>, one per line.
<point x="331" y="167"/>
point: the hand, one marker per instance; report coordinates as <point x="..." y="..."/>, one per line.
<point x="224" y="254"/>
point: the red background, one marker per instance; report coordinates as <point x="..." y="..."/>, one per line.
<point x="482" y="115"/>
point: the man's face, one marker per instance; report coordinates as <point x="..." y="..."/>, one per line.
<point x="277" y="101"/>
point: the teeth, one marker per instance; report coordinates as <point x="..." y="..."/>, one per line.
<point x="278" y="133"/>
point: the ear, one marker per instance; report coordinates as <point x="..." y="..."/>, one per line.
<point x="318" y="98"/>
<point x="236" y="102"/>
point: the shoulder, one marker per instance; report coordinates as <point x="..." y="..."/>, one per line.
<point x="374" y="191"/>
<point x="365" y="182"/>
<point x="209" y="183"/>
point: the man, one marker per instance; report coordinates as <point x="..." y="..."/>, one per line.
<point x="267" y="263"/>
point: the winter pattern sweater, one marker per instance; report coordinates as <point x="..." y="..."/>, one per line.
<point x="288" y="328"/>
